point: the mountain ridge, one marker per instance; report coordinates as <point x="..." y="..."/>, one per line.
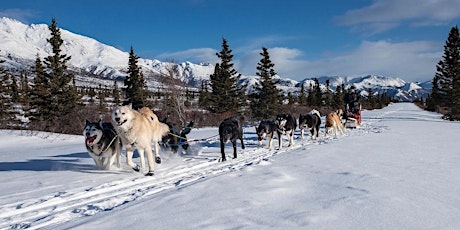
<point x="98" y="63"/>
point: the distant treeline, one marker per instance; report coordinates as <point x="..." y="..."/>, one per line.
<point x="52" y="101"/>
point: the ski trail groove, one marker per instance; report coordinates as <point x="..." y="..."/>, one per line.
<point x="67" y="205"/>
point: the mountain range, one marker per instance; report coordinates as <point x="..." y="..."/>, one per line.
<point x="95" y="63"/>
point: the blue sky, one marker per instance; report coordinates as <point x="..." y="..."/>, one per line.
<point x="305" y="39"/>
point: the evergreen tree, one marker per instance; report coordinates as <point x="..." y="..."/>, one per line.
<point x="337" y="97"/>
<point x="205" y="96"/>
<point x="25" y="89"/>
<point x="135" y="85"/>
<point x="64" y="99"/>
<point x="318" y="94"/>
<point x="302" y="96"/>
<point x="265" y="102"/>
<point x="227" y="94"/>
<point x="328" y="94"/>
<point x="6" y="103"/>
<point x="115" y="93"/>
<point x="14" y="90"/>
<point x="434" y="99"/>
<point x="40" y="94"/>
<point x="448" y="73"/>
<point x="101" y="95"/>
<point x="310" y="96"/>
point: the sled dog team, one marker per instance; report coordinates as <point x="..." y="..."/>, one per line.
<point x="139" y="129"/>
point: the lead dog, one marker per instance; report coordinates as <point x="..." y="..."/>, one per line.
<point x="230" y="129"/>
<point x="311" y="121"/>
<point x="102" y="143"/>
<point x="138" y="130"/>
<point x="266" y="128"/>
<point x="334" y="123"/>
<point x="286" y="124"/>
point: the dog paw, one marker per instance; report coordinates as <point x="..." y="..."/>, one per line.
<point x="158" y="160"/>
<point x="150" y="173"/>
<point x="137" y="168"/>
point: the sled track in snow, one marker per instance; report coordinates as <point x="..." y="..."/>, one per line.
<point x="68" y="205"/>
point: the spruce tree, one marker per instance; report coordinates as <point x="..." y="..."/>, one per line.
<point x="433" y="100"/>
<point x="204" y="96"/>
<point x="40" y="94"/>
<point x="302" y="96"/>
<point x="25" y="89"/>
<point x="310" y="96"/>
<point x="115" y="93"/>
<point x="448" y="73"/>
<point x="64" y="100"/>
<point x="135" y="85"/>
<point x="338" y="97"/>
<point x="227" y="94"/>
<point x="265" y="102"/>
<point x="6" y="103"/>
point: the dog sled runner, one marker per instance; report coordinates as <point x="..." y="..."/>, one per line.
<point x="353" y="118"/>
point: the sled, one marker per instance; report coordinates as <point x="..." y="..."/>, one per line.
<point x="353" y="118"/>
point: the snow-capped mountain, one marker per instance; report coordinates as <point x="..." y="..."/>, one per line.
<point x="96" y="63"/>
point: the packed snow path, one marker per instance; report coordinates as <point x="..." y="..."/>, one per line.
<point x="387" y="174"/>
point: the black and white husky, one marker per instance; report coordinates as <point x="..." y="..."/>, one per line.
<point x="266" y="129"/>
<point x="286" y="124"/>
<point x="311" y="121"/>
<point x="102" y="143"/>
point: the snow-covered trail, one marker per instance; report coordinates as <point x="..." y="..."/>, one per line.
<point x="62" y="205"/>
<point x="51" y="182"/>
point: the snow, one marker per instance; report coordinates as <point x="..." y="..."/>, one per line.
<point x="399" y="170"/>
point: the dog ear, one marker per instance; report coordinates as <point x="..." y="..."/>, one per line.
<point x="87" y="122"/>
<point x="100" y="123"/>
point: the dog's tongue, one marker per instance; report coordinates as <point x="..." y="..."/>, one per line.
<point x="89" y="140"/>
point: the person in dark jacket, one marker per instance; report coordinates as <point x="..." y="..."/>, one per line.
<point x="352" y="100"/>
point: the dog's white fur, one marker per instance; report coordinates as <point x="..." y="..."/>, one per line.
<point x="334" y="123"/>
<point x="138" y="130"/>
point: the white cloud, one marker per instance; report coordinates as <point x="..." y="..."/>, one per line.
<point x="389" y="13"/>
<point x="411" y="61"/>
<point x="288" y="62"/>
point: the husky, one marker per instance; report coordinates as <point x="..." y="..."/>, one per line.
<point x="311" y="121"/>
<point x="138" y="130"/>
<point x="230" y="129"/>
<point x="266" y="128"/>
<point x="334" y="123"/>
<point x="102" y="143"/>
<point x="286" y="124"/>
<point x="176" y="137"/>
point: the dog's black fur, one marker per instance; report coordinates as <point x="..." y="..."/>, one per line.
<point x="175" y="138"/>
<point x="310" y="121"/>
<point x="286" y="124"/>
<point x="266" y="129"/>
<point x="230" y="129"/>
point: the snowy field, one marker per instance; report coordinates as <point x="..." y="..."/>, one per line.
<point x="399" y="170"/>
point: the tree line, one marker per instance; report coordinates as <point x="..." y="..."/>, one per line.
<point x="52" y="101"/>
<point x="445" y="93"/>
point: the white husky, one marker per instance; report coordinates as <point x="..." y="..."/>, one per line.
<point x="138" y="130"/>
